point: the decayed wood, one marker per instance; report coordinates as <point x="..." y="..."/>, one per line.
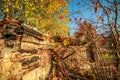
<point x="27" y="63"/>
<point x="1" y="43"/>
<point x="23" y="52"/>
<point x="20" y="26"/>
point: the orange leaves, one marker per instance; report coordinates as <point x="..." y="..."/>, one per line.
<point x="108" y="11"/>
<point x="86" y="29"/>
<point x="59" y="1"/>
<point x="96" y="6"/>
<point x="98" y="18"/>
<point x="41" y="0"/>
<point x="61" y="17"/>
<point x="65" y="42"/>
<point x="54" y="78"/>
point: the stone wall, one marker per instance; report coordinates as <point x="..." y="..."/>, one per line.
<point x="15" y="65"/>
<point x="24" y="55"/>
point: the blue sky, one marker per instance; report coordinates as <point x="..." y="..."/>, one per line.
<point x="79" y="9"/>
<point x="84" y="9"/>
<point x="1" y="16"/>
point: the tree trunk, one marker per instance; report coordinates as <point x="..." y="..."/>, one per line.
<point x="11" y="11"/>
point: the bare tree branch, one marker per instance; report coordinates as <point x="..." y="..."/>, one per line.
<point x="108" y="17"/>
<point x="116" y="19"/>
<point x="109" y="2"/>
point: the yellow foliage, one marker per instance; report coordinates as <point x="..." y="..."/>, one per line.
<point x="43" y="14"/>
<point x="53" y="62"/>
<point x="54" y="45"/>
<point x="65" y="42"/>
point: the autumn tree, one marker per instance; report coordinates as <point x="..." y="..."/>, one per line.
<point x="104" y="15"/>
<point x="86" y="34"/>
<point x="47" y="16"/>
<point x="111" y="11"/>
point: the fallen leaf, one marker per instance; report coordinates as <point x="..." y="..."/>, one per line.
<point x="54" y="78"/>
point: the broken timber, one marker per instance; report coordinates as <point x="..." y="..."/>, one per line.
<point x="24" y="52"/>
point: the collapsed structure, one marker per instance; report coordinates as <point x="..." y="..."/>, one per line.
<point x="24" y="52"/>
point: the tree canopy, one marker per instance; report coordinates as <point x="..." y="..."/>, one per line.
<point x="47" y="16"/>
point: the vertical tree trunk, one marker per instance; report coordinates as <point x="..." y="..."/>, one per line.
<point x="11" y="11"/>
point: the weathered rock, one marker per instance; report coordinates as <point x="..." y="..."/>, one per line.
<point x="24" y="52"/>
